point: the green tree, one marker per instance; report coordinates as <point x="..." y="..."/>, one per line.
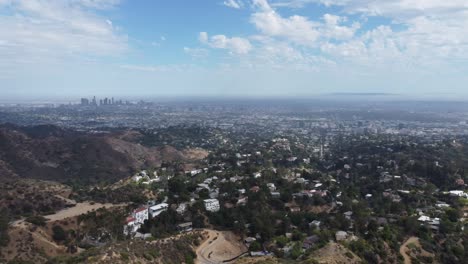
<point x="59" y="233"/>
<point x="296" y="251"/>
<point x="255" y="246"/>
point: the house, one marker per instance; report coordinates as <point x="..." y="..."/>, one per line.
<point x="214" y="194"/>
<point x="315" y="223"/>
<point x="260" y="253"/>
<point x="185" y="227"/>
<point x="255" y="189"/>
<point x="295" y="209"/>
<point x="442" y="205"/>
<point x="141" y="215"/>
<point x="134" y="222"/>
<point x="275" y="194"/>
<point x="158" y="209"/>
<point x="348" y="215"/>
<point x="424" y="218"/>
<point x="181" y="208"/>
<point x="202" y="186"/>
<point x="271" y="186"/>
<point x="458" y="194"/>
<point x="309" y="242"/>
<point x="212" y="205"/>
<point x="137" y="178"/>
<point x="341" y="235"/>
<point x="142" y="236"/>
<point x="249" y="240"/>
<point x="301" y="180"/>
<point x="243" y="200"/>
<point x="130" y="226"/>
<point x="195" y="172"/>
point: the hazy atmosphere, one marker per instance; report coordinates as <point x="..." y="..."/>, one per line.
<point x="72" y="48"/>
<point x="234" y="131"/>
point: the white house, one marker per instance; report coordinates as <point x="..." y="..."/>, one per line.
<point x="130" y="226"/>
<point x="181" y="208"/>
<point x="158" y="209"/>
<point x="271" y="186"/>
<point x="134" y="222"/>
<point x="212" y="205"/>
<point x="137" y="178"/>
<point x="341" y="235"/>
<point x="424" y="218"/>
<point x="141" y="215"/>
<point x="458" y="193"/>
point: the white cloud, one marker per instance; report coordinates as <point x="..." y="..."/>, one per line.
<point x="236" y="4"/>
<point x="299" y="29"/>
<point x="235" y="45"/>
<point x="196" y="53"/>
<point x="40" y="30"/>
<point x="96" y="4"/>
<point x="430" y="33"/>
<point x="203" y="37"/>
<point x="333" y="30"/>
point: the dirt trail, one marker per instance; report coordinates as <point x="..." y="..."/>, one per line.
<point x="404" y="249"/>
<point x="79" y="209"/>
<point x="219" y="246"/>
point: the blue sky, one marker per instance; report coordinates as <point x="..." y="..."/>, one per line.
<point x="295" y="48"/>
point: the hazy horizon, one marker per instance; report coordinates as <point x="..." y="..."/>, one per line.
<point x="332" y="97"/>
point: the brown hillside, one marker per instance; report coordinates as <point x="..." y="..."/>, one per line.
<point x="50" y="153"/>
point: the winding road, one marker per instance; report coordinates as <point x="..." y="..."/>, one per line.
<point x="404" y="248"/>
<point x="219" y="246"/>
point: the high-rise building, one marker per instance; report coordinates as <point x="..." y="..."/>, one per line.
<point x="84" y="101"/>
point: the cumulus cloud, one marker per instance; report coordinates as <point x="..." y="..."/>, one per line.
<point x="235" y="45"/>
<point x="299" y="29"/>
<point x="296" y="28"/>
<point x="41" y="30"/>
<point x="422" y="33"/>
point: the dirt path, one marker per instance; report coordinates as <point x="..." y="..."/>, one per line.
<point x="219" y="246"/>
<point x="79" y="209"/>
<point x="404" y="248"/>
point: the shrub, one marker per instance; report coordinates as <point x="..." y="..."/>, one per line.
<point x="255" y="246"/>
<point x="124" y="256"/>
<point x="36" y="220"/>
<point x="59" y="234"/>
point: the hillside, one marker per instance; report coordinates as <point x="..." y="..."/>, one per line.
<point x="52" y="153"/>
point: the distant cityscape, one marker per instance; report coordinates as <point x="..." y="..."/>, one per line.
<point x="102" y="102"/>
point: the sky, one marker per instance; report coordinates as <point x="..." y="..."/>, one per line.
<point x="239" y="48"/>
